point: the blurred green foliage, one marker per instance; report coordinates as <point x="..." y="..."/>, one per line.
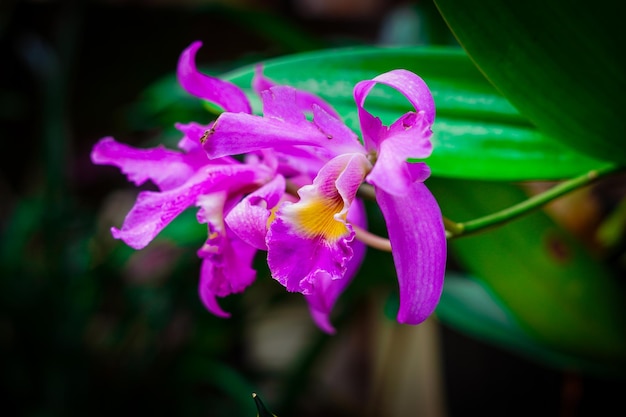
<point x="557" y="62"/>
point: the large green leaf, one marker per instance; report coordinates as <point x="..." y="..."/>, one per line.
<point x="558" y="292"/>
<point x="478" y="133"/>
<point x="470" y="307"/>
<point x="558" y="62"/>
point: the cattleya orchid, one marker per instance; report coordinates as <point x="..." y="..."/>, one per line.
<point x="288" y="185"/>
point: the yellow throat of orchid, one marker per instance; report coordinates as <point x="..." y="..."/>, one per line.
<point x="317" y="217"/>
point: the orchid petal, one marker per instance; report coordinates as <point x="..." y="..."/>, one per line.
<point x="407" y="137"/>
<point x="226" y="269"/>
<point x="297" y="262"/>
<point x="418" y="244"/>
<point x="310" y="240"/>
<point x="227" y="261"/>
<point x="249" y="218"/>
<point x="141" y="165"/>
<point x="240" y="133"/>
<point x="260" y="82"/>
<point x="280" y="103"/>
<point x="223" y="93"/>
<point x="301" y="160"/>
<point x="340" y="136"/>
<point x="304" y="99"/>
<point x="418" y="94"/>
<point x="392" y="172"/>
<point x="192" y="132"/>
<point x="283" y="127"/>
<point x="211" y="210"/>
<point x="155" y="210"/>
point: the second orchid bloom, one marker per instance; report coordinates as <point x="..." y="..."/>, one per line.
<point x="288" y="184"/>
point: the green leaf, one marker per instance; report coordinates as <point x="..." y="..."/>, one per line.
<point x="469" y="306"/>
<point x="557" y="62"/>
<point x="478" y="133"/>
<point x="185" y="230"/>
<point x="559" y="294"/>
<point x="262" y="410"/>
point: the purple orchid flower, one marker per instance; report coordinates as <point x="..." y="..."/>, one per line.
<point x="310" y="242"/>
<point x="224" y="189"/>
<point x="310" y="237"/>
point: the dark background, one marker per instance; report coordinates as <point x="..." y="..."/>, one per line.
<point x="80" y="334"/>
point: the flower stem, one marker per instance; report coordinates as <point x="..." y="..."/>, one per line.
<point x="454" y="229"/>
<point x="372" y="240"/>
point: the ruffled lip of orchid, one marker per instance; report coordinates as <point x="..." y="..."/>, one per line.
<point x="311" y="238"/>
<point x="227" y="95"/>
<point x="322" y="301"/>
<point x="295" y="261"/>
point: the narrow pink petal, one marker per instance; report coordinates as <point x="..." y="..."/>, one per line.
<point x="235" y="134"/>
<point x="411" y="135"/>
<point x="418" y="171"/>
<point x="208" y="297"/>
<point x="309" y="101"/>
<point x="280" y="103"/>
<point x="226" y="269"/>
<point x="392" y="172"/>
<point x="305" y="101"/>
<point x="302" y="160"/>
<point x="282" y="127"/>
<point x="413" y="88"/>
<point x="407" y="137"/>
<point x="260" y="82"/>
<point x="248" y="219"/>
<point x="155" y="210"/>
<point x="418" y="244"/>
<point x="322" y="320"/>
<point x="407" y="83"/>
<point x="227" y="261"/>
<point x="166" y="168"/>
<point x="192" y="132"/>
<point x="227" y="95"/>
<point x="339" y="136"/>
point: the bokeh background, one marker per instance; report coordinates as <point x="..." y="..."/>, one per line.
<point x="89" y="327"/>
